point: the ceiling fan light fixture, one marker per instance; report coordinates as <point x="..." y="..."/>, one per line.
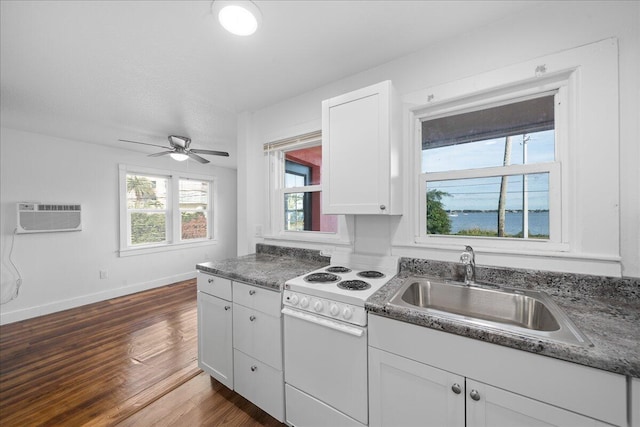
<point x="239" y="17"/>
<point x="181" y="157"/>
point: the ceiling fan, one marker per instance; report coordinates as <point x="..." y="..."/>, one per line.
<point x="179" y="149"/>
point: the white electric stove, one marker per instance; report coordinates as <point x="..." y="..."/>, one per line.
<point x="341" y="289"/>
<point x="325" y="339"/>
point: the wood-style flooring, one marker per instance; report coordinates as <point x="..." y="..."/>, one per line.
<point x="129" y="361"/>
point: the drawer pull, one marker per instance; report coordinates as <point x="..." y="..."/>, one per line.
<point x="252" y="292"/>
<point x="254" y="368"/>
<point x="252" y="318"/>
<point x="456" y="388"/>
<point x="210" y="280"/>
<point x="227" y="307"/>
<point x="475" y="395"/>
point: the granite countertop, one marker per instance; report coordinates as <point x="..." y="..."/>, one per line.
<point x="269" y="267"/>
<point x="607" y="313"/>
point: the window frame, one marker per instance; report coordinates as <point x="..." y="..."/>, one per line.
<point x="275" y="153"/>
<point x="560" y="84"/>
<point x="173" y="223"/>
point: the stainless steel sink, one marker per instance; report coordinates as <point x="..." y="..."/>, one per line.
<point x="529" y="313"/>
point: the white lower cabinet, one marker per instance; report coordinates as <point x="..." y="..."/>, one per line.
<point x="423" y="377"/>
<point x="240" y="340"/>
<point x="489" y="406"/>
<point x="403" y="392"/>
<point x="215" y="328"/>
<point x="259" y="383"/>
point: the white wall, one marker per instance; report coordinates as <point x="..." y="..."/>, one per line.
<point x="61" y="270"/>
<point x="543" y="30"/>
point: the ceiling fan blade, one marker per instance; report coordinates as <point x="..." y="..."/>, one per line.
<point x="160" y="154"/>
<point x="212" y="152"/>
<point x="143" y="143"/>
<point x="196" y="157"/>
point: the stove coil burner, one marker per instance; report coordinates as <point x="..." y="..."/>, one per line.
<point x="371" y="274"/>
<point x="338" y="269"/>
<point x="354" y="285"/>
<point x="321" y="278"/>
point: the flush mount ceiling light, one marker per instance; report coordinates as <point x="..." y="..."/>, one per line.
<point x="239" y="17"/>
<point x="181" y="157"/>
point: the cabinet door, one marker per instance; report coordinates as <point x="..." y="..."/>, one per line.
<point x="260" y="383"/>
<point x="403" y="392"/>
<point x="489" y="406"/>
<point x="215" y="334"/>
<point x="258" y="335"/>
<point x="356" y="171"/>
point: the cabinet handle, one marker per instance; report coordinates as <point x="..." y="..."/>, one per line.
<point x="475" y="395"/>
<point x="252" y="292"/>
<point x="210" y="280"/>
<point x="252" y="318"/>
<point x="254" y="368"/>
<point x="456" y="388"/>
<point x="227" y="307"/>
<point x="382" y="207"/>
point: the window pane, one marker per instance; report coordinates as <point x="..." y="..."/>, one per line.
<point x="302" y="213"/>
<point x="146" y="192"/>
<point x="148" y="228"/>
<point x="193" y="225"/>
<point x="505" y="206"/>
<point x="305" y="164"/>
<point x="538" y="147"/>
<point x="517" y="133"/>
<point x="194" y="194"/>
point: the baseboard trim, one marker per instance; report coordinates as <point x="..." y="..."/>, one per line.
<point x="41" y="310"/>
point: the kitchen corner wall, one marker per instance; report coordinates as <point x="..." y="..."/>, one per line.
<point x="543" y="29"/>
<point x="61" y="270"/>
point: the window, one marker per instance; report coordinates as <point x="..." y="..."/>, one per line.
<point x="194" y="209"/>
<point x="163" y="209"/>
<point x="295" y="171"/>
<point x="491" y="171"/>
<point x="147" y="211"/>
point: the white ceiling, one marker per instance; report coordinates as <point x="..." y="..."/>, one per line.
<point x="97" y="71"/>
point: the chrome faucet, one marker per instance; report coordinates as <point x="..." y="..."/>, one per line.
<point x="468" y="259"/>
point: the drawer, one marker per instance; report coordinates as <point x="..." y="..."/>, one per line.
<point x="262" y="299"/>
<point x="259" y="383"/>
<point x="258" y="334"/>
<point x="214" y="285"/>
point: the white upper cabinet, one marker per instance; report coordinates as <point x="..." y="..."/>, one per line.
<point x="361" y="152"/>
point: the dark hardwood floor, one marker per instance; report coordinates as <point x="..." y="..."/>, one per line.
<point x="129" y="361"/>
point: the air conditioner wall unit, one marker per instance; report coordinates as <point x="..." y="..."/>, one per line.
<point x="48" y="218"/>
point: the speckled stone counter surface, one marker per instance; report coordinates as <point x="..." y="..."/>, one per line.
<point x="269" y="267"/>
<point x="606" y="310"/>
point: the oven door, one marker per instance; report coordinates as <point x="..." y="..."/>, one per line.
<point x="326" y="360"/>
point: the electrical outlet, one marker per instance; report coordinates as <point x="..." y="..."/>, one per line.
<point x="104" y="274"/>
<point x="258" y="230"/>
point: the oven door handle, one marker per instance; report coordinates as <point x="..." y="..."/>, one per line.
<point x="351" y="330"/>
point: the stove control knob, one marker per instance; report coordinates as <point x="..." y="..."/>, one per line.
<point x="347" y="313"/>
<point x="318" y="306"/>
<point x="293" y="299"/>
<point x="334" y="310"/>
<point x="304" y="302"/>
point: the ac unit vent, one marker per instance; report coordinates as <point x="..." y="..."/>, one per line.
<point x="48" y="218"/>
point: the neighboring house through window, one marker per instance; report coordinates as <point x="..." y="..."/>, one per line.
<point x="295" y="188"/>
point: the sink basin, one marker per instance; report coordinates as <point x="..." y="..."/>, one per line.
<point x="530" y="313"/>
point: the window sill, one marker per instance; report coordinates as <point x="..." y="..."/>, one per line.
<point x="125" y="252"/>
